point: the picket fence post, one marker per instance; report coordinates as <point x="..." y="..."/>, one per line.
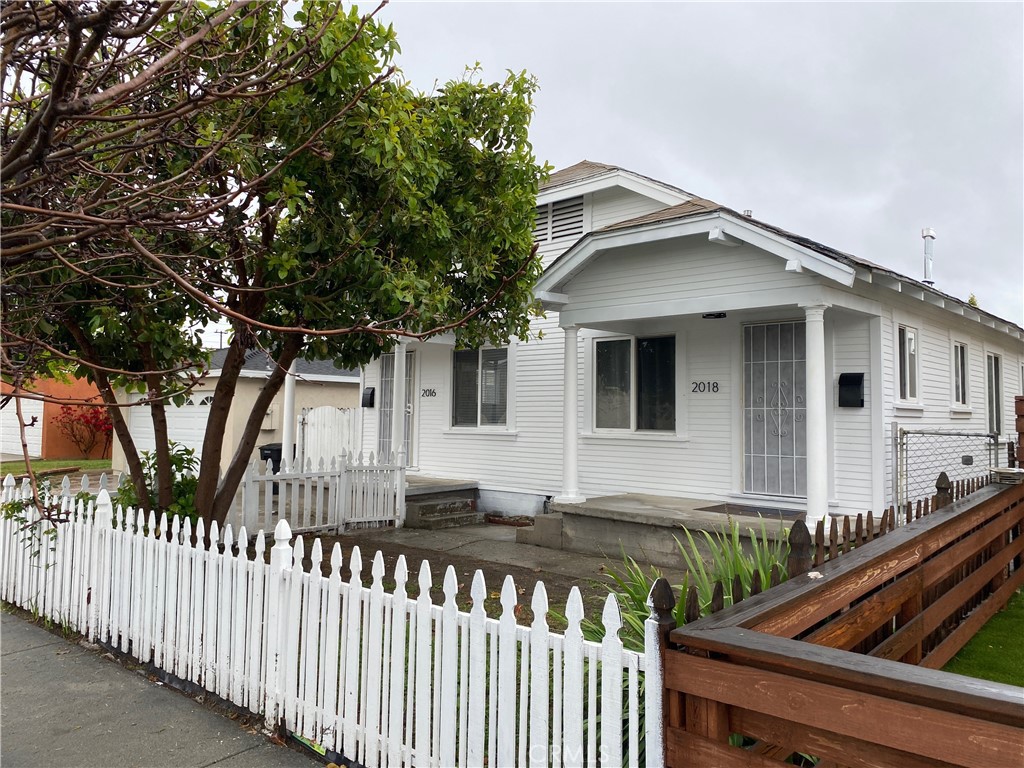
<point x="400" y="494"/>
<point x="659" y="623"/>
<point x="280" y="559"/>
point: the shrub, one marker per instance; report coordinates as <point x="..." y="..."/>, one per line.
<point x="85" y="426"/>
<point x="184" y="465"/>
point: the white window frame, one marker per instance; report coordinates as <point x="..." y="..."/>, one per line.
<point x="908" y="362"/>
<point x="633" y="385"/>
<point x="960" y="373"/>
<point x="994" y="394"/>
<point x="508" y="424"/>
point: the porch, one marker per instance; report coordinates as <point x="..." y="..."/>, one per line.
<point x="645" y="526"/>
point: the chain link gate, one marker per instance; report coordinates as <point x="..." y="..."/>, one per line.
<point x="919" y="455"/>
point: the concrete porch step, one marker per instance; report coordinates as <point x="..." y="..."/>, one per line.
<point x="444" y="512"/>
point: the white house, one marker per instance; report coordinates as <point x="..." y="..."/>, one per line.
<point x="693" y="351"/>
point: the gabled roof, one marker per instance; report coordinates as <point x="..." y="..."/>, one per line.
<point x="588" y="176"/>
<point x="258" y="365"/>
<point x="709" y="212"/>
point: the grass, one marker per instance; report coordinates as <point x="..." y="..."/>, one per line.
<point x="90" y="465"/>
<point x="996" y="653"/>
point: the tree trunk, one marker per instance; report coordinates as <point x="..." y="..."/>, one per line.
<point x="120" y="425"/>
<point x="158" y="412"/>
<point x="240" y="460"/>
<point x="216" y="424"/>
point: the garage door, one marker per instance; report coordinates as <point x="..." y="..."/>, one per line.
<point x="186" y="424"/>
<point x="10" y="436"/>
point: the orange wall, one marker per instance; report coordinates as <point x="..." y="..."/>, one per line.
<point x="55" y="445"/>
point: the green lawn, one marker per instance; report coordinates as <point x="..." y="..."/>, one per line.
<point x="83" y="465"/>
<point x="996" y="653"/>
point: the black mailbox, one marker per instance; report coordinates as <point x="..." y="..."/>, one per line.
<point x="851" y="390"/>
<point x="368" y="397"/>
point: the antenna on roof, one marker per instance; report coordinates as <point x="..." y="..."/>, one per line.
<point x="928" y="234"/>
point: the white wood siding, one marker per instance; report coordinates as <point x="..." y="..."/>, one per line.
<point x="525" y="456"/>
<point x="851" y="427"/>
<point x="671" y="271"/>
<point x="935" y="409"/>
<point x="611" y="206"/>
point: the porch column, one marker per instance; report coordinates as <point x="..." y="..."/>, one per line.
<point x="398" y="404"/>
<point x="288" y="420"/>
<point x="570" y="420"/>
<point x="817" y="415"/>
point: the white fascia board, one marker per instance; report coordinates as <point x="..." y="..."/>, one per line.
<point x="785" y="249"/>
<point x="323" y="378"/>
<point x="616" y="178"/>
<point x="733" y="302"/>
<point x="328" y="379"/>
<point x="551" y="300"/>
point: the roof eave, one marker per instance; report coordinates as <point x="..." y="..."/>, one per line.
<point x="616" y="177"/>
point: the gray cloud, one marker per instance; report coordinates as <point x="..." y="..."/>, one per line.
<point x="854" y="124"/>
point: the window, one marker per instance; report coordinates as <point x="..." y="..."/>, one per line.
<point x="480" y="387"/>
<point x="993" y="372"/>
<point x="635" y="384"/>
<point x="960" y="373"/>
<point x="908" y="363"/>
<point x="559" y="220"/>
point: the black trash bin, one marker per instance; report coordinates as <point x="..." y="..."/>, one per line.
<point x="273" y="452"/>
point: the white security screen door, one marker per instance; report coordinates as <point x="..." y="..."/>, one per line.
<point x="774" y="409"/>
<point x="387" y="378"/>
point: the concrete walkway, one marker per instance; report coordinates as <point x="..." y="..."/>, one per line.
<point x="497" y="544"/>
<point x="64" y="705"/>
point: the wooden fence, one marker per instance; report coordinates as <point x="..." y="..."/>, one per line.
<point x="813" y="665"/>
<point x="380" y="677"/>
<point x="346" y="494"/>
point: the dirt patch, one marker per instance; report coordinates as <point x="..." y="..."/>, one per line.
<point x="557" y="585"/>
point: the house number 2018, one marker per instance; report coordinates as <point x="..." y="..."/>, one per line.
<point x="428" y="393"/>
<point x="704" y="386"/>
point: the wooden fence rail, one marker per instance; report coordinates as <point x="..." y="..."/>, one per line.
<point x="814" y="665"/>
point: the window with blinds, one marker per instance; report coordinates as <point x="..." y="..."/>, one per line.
<point x="480" y="387"/>
<point x="561" y="220"/>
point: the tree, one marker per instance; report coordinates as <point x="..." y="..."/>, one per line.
<point x="167" y="163"/>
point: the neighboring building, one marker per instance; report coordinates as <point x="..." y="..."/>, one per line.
<point x="705" y="350"/>
<point x="44" y="438"/>
<point x="318" y="383"/>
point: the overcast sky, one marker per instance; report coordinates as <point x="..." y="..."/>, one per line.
<point x="853" y="124"/>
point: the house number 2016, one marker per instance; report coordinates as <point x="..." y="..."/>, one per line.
<point x="704" y="386"/>
<point x="428" y="393"/>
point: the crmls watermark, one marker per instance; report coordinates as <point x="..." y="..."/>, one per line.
<point x="562" y="755"/>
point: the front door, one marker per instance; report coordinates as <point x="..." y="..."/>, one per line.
<point x="387" y="379"/>
<point x="774" y="409"/>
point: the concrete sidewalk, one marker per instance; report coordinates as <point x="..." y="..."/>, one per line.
<point x="64" y="705"/>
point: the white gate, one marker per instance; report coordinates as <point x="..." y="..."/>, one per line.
<point x="324" y="434"/>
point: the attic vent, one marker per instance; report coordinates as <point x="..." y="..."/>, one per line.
<point x="559" y="220"/>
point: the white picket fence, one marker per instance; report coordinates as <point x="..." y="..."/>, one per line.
<point x="380" y="677"/>
<point x="345" y="494"/>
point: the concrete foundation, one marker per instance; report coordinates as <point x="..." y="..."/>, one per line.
<point x="510" y="504"/>
<point x="643" y="527"/>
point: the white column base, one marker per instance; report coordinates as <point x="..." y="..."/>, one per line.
<point x="574" y="499"/>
